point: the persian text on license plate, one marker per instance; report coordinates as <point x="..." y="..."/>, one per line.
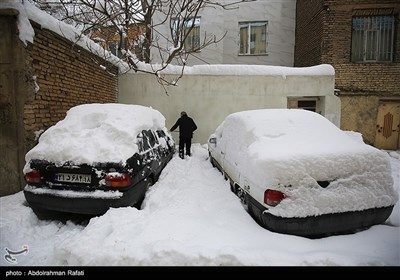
<point x="72" y="178"/>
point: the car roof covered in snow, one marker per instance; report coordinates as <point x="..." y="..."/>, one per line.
<point x="280" y="132"/>
<point x="93" y="133"/>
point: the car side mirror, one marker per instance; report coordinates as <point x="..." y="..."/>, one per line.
<point x="213" y="141"/>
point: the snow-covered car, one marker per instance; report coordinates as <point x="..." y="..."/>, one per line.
<point x="99" y="156"/>
<point x="299" y="174"/>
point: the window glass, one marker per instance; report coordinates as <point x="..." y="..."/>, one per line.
<point x="140" y="142"/>
<point x="305" y="103"/>
<point x="372" y="39"/>
<point x="253" y="37"/>
<point x="191" y="29"/>
<point x="113" y="48"/>
<point x="155" y="137"/>
<point x="160" y="133"/>
<point x="310" y="105"/>
<point x="143" y="141"/>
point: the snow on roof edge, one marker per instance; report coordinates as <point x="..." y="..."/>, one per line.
<point x="246" y="70"/>
<point x="26" y="33"/>
<point x="28" y="11"/>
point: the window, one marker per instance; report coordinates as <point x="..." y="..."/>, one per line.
<point x="113" y="48"/>
<point x="143" y="141"/>
<point x="306" y="103"/>
<point x="253" y="37"/>
<point x="192" y="41"/>
<point x="372" y="39"/>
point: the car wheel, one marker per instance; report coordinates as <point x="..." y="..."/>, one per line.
<point x="211" y="161"/>
<point x="43" y="214"/>
<point x="148" y="184"/>
<point x="241" y="194"/>
<point x="233" y="188"/>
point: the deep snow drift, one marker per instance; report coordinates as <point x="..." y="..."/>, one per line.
<point x="189" y="217"/>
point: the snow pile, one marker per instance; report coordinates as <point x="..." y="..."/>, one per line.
<point x="93" y="133"/>
<point x="244" y="70"/>
<point x="190" y="217"/>
<point x="285" y="147"/>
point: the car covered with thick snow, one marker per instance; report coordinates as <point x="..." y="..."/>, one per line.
<point x="99" y="156"/>
<point x="299" y="174"/>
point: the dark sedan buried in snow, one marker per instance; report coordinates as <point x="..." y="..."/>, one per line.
<point x="297" y="173"/>
<point x="99" y="156"/>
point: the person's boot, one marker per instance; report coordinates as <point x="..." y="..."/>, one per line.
<point x="181" y="154"/>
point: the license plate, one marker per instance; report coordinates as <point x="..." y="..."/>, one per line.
<point x="73" y="178"/>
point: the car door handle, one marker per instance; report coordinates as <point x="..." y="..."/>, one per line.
<point x="222" y="153"/>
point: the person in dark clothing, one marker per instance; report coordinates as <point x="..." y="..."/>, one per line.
<point x="186" y="128"/>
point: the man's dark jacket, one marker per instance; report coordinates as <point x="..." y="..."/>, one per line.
<point x="186" y="126"/>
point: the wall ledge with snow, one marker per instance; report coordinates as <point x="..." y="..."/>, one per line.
<point x="247" y="70"/>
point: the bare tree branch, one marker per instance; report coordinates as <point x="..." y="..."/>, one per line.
<point x="132" y="24"/>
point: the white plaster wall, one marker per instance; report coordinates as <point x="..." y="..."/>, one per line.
<point x="208" y="99"/>
<point x="280" y="15"/>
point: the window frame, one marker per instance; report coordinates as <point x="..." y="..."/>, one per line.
<point x="115" y="47"/>
<point x="194" y="38"/>
<point x="298" y="102"/>
<point x="373" y="50"/>
<point x="247" y="48"/>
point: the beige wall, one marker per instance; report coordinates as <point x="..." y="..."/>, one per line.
<point x="359" y="113"/>
<point x="208" y="99"/>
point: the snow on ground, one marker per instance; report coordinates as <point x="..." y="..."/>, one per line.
<point x="189" y="217"/>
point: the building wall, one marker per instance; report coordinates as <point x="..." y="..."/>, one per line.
<point x="14" y="89"/>
<point x="359" y="113"/>
<point x="365" y="77"/>
<point x="309" y="32"/>
<point x="210" y="98"/>
<point x="39" y="83"/>
<point x="224" y="23"/>
<point x="361" y="85"/>
<point x="66" y="76"/>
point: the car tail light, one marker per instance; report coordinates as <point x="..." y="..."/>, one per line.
<point x="118" y="180"/>
<point x="33" y="177"/>
<point x="272" y="197"/>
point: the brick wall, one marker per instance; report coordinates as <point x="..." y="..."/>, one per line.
<point x="309" y="31"/>
<point x="328" y="23"/>
<point x="380" y="78"/>
<point x="39" y="83"/>
<point x="323" y="35"/>
<point x="67" y="75"/>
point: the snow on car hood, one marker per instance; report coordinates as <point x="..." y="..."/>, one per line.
<point x="288" y="147"/>
<point x="93" y="133"/>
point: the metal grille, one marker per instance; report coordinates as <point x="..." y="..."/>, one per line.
<point x="372" y="38"/>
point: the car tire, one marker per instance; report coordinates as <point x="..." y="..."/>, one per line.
<point x="43" y="214"/>
<point x="50" y="215"/>
<point x="211" y="161"/>
<point x="226" y="177"/>
<point x="147" y="186"/>
<point x="233" y="187"/>
<point x="149" y="183"/>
